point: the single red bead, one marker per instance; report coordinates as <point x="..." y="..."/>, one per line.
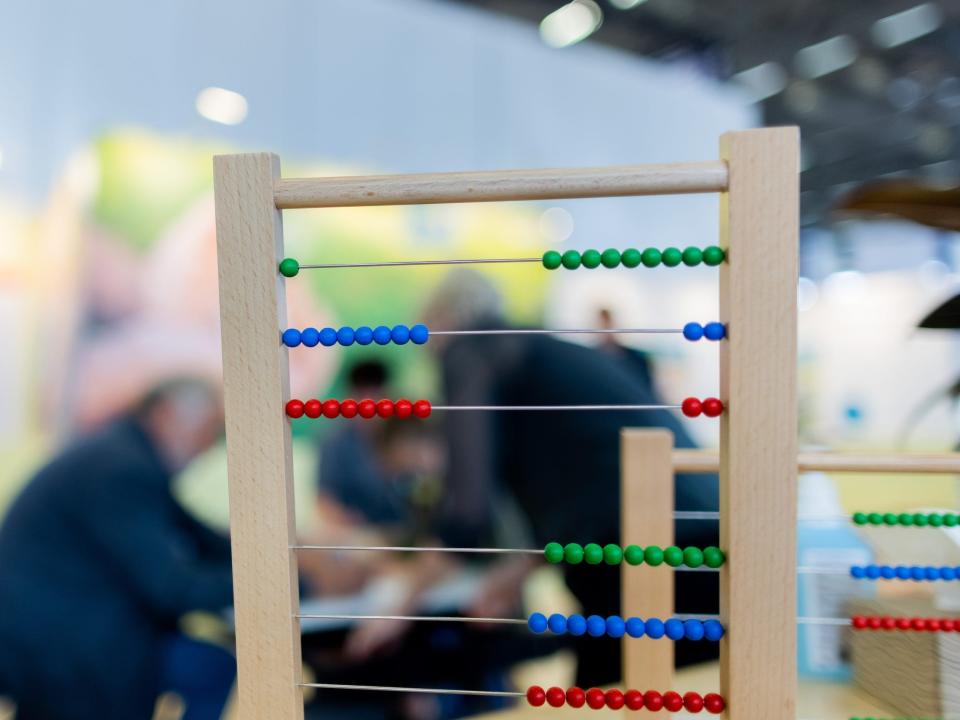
<point x="858" y="621"/>
<point x="672" y="702"/>
<point x="596" y="699"/>
<point x="294" y="408"/>
<point x="312" y="408"/>
<point x="652" y="700"/>
<point x="713" y="703"/>
<point x="331" y="408"/>
<point x="933" y="625"/>
<point x="918" y="623"/>
<point x="421" y="408"/>
<point x="873" y="623"/>
<point x="615" y="699"/>
<point x="367" y="408"/>
<point x="691" y="407"/>
<point x="385" y="408"/>
<point x="712" y="407"/>
<point x="576" y="697"/>
<point x="692" y="702"/>
<point x="887" y="622"/>
<point x="348" y="408"/>
<point x="536" y="696"/>
<point x="633" y="699"/>
<point x="947" y="625"/>
<point x="404" y="408"/>
<point x="556" y="697"/>
<point x="903" y="623"/>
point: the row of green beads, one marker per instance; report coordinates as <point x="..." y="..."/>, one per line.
<point x="593" y="554"/>
<point x="631" y="258"/>
<point x="906" y="519"/>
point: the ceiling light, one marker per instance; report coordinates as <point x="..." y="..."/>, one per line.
<point x="571" y="23"/>
<point x="908" y="25"/>
<point x="626" y="4"/>
<point x="222" y="106"/>
<point x="762" y="81"/>
<point x="826" y="57"/>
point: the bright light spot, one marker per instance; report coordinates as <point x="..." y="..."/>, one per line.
<point x="222" y="106"/>
<point x="571" y="23"/>
<point x="908" y="25"/>
<point x="807" y="294"/>
<point x="826" y="57"/>
<point x="556" y="224"/>
<point x="869" y="75"/>
<point x="626" y="4"/>
<point x="762" y="81"/>
<point x="846" y="287"/>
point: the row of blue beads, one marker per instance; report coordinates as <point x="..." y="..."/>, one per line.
<point x="918" y="573"/>
<point x="710" y="331"/>
<point x="616" y="627"/>
<point x="381" y="335"/>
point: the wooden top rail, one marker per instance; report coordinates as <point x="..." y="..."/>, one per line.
<point x="707" y="461"/>
<point x="547" y="184"/>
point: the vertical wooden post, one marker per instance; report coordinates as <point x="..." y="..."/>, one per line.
<point x="646" y="517"/>
<point x="758" y="431"/>
<point x="259" y="467"/>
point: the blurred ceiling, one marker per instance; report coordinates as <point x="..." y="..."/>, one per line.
<point x="873" y="84"/>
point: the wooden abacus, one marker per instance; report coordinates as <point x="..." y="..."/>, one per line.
<point x="757" y="178"/>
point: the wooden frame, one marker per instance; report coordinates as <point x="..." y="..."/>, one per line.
<point x="757" y="178"/>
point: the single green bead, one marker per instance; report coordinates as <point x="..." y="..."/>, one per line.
<point x="571" y="259"/>
<point x="289" y="267"/>
<point x="590" y="259"/>
<point x="875" y="518"/>
<point x="713" y="255"/>
<point x="905" y="519"/>
<point x="573" y="553"/>
<point x="553" y="552"/>
<point x="692" y="256"/>
<point x="935" y="519"/>
<point x="673" y="556"/>
<point x="651" y="257"/>
<point x="633" y="554"/>
<point x="890" y="519"/>
<point x="552" y="259"/>
<point x="630" y="257"/>
<point x="950" y="520"/>
<point x="671" y="257"/>
<point x="612" y="554"/>
<point x="859" y="518"/>
<point x="713" y="557"/>
<point x="653" y="555"/>
<point x="592" y="554"/>
<point x="610" y="258"/>
<point x="692" y="557"/>
<point x="920" y="519"/>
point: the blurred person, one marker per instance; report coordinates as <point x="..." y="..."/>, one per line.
<point x="562" y="468"/>
<point x="98" y="562"/>
<point x="610" y="343"/>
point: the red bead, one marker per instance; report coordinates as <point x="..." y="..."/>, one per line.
<point x="331" y="408"/>
<point x="691" y="407"/>
<point x="712" y="407"/>
<point x="348" y="408"/>
<point x="887" y="622"/>
<point x="859" y="622"/>
<point x="615" y="699"/>
<point x="312" y="408"/>
<point x="556" y="697"/>
<point x="421" y="408"/>
<point x="576" y="697"/>
<point x="918" y="623"/>
<point x="947" y="625"/>
<point x="692" y="702"/>
<point x="633" y="699"/>
<point x="652" y="700"/>
<point x="294" y="408"/>
<point x="873" y="623"/>
<point x="385" y="408"/>
<point x="713" y="703"/>
<point x="672" y="702"/>
<point x="933" y="625"/>
<point x="536" y="696"/>
<point x="596" y="699"/>
<point x="367" y="408"/>
<point x="404" y="408"/>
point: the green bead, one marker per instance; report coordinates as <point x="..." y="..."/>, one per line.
<point x="612" y="554"/>
<point x="905" y="519"/>
<point x="553" y="552"/>
<point x="671" y="257"/>
<point x="692" y="256"/>
<point x="875" y="518"/>
<point x="289" y="267"/>
<point x="713" y="557"/>
<point x="859" y="518"/>
<point x="610" y="258"/>
<point x="692" y="557"/>
<point x="630" y="257"/>
<point x="673" y="556"/>
<point x="919" y="519"/>
<point x="651" y="257"/>
<point x="590" y="259"/>
<point x="633" y="554"/>
<point x="890" y="519"/>
<point x="712" y="255"/>
<point x="552" y="259"/>
<point x="592" y="554"/>
<point x="653" y="555"/>
<point x="571" y="259"/>
<point x="573" y="553"/>
<point x="950" y="520"/>
<point x="935" y="519"/>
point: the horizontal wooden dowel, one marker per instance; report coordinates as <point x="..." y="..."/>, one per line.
<point x="701" y="461"/>
<point x="545" y="184"/>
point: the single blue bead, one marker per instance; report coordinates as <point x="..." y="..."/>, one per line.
<point x="328" y="337"/>
<point x="576" y="625"/>
<point x="693" y="331"/>
<point x="345" y="336"/>
<point x="693" y="630"/>
<point x="654" y="628"/>
<point x="917" y="573"/>
<point x="557" y="624"/>
<point x="948" y="573"/>
<point x="400" y="334"/>
<point x="381" y="335"/>
<point x="857" y="572"/>
<point x="310" y="337"/>
<point x="887" y="572"/>
<point x="615" y="626"/>
<point x="714" y="331"/>
<point x="363" y="335"/>
<point x="291" y="337"/>
<point x="596" y="626"/>
<point x="712" y="630"/>
<point x="673" y="628"/>
<point x="635" y="627"/>
<point x="932" y="573"/>
<point x="873" y="572"/>
<point x="419" y="334"/>
<point x="537" y="623"/>
<point x="903" y="573"/>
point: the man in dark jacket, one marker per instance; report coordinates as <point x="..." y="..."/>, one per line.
<point x="97" y="564"/>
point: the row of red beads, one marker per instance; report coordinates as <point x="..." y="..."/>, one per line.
<point x="885" y="622"/>
<point x="352" y="408"/>
<point x="711" y="407"/>
<point x="631" y="699"/>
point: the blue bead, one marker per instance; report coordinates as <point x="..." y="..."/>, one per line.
<point x="948" y="573"/>
<point x="363" y="335"/>
<point x="714" y="331"/>
<point x="635" y="627"/>
<point x="693" y="630"/>
<point x="873" y="572"/>
<point x="903" y="573"/>
<point x="345" y="336"/>
<point x="537" y="623"/>
<point x="596" y="626"/>
<point x="381" y="335"/>
<point x="857" y="572"/>
<point x="310" y="337"/>
<point x="917" y="572"/>
<point x="291" y="337"/>
<point x="712" y="630"/>
<point x="328" y="337"/>
<point x="576" y="625"/>
<point x="673" y="629"/>
<point x="557" y="624"/>
<point x="654" y="628"/>
<point x="419" y="334"/>
<point x="615" y="626"/>
<point x="887" y="572"/>
<point x="932" y="573"/>
<point x="400" y="334"/>
<point x="693" y="331"/>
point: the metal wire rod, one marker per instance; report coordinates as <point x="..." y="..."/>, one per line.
<point x="429" y="691"/>
<point x="404" y="263"/>
<point x="417" y="618"/>
<point x="507" y="408"/>
<point x="561" y="331"/>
